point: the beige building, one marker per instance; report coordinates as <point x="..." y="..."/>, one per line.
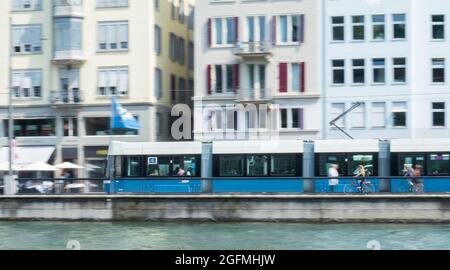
<point x="69" y="57"/>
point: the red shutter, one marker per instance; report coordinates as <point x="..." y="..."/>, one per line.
<point x="208" y="78"/>
<point x="283" y="77"/>
<point x="209" y="32"/>
<point x="301" y="120"/>
<point x="236" y="77"/>
<point x="236" y="30"/>
<point x="274" y="30"/>
<point x="302" y="77"/>
<point x="302" y="28"/>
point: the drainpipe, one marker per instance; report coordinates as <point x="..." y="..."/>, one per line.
<point x="207" y="166"/>
<point x="308" y="166"/>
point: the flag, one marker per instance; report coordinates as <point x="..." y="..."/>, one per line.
<point x="121" y="118"/>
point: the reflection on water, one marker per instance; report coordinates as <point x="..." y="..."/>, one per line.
<point x="220" y="236"/>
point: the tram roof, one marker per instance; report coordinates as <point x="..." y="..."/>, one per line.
<point x="155" y="148"/>
<point x="346" y="146"/>
<point x="420" y="145"/>
<point x="258" y="147"/>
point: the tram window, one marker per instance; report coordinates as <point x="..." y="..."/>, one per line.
<point x="257" y="165"/>
<point x="326" y="160"/>
<point x="158" y="166"/>
<point x="231" y="166"/>
<point x="410" y="160"/>
<point x="133" y="166"/>
<point x="361" y="159"/>
<point x="438" y="164"/>
<point x="283" y="165"/>
<point x="185" y="166"/>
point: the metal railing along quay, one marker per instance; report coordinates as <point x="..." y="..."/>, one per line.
<point x="300" y="185"/>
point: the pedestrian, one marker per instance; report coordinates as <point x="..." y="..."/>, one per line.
<point x="333" y="173"/>
<point x="361" y="173"/>
<point x="418" y="182"/>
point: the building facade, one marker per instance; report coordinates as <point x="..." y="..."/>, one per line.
<point x="390" y="56"/>
<point x="261" y="55"/>
<point x="68" y="58"/>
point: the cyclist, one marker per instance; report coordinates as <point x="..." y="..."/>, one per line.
<point x="361" y="173"/>
<point x="409" y="172"/>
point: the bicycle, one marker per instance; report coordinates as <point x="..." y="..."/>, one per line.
<point x="357" y="187"/>
<point x="408" y="186"/>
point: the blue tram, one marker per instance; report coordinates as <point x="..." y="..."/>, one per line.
<point x="272" y="166"/>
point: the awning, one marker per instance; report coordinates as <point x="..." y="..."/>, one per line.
<point x="27" y="155"/>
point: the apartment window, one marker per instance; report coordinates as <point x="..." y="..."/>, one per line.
<point x="359" y="71"/>
<point x="70" y="127"/>
<point x="113" y="81"/>
<point x="67" y="34"/>
<point x="27" y="84"/>
<point x="296" y="77"/>
<point x="378" y="27"/>
<point x="112" y="36"/>
<point x="438" y="27"/>
<point x="69" y="83"/>
<point x="157" y="39"/>
<point x="399" y="114"/>
<point x="111" y="3"/>
<point x="225" y="31"/>
<point x="224" y="78"/>
<point x="191" y="55"/>
<point x="399" y="26"/>
<point x="337" y="109"/>
<point x="191" y="17"/>
<point x="173" y="10"/>
<point x="358" y="28"/>
<point x="182" y="90"/>
<point x="157" y="4"/>
<point x="338" y="69"/>
<point x="378" y="115"/>
<point x="378" y="66"/>
<point x="173" y="87"/>
<point x="290" y="28"/>
<point x="158" y="83"/>
<point x="173" y="47"/>
<point x="181" y="51"/>
<point x="291" y="118"/>
<point x="358" y="117"/>
<point x="338" y="28"/>
<point x="438" y="110"/>
<point x="26" y="39"/>
<point x="438" y="70"/>
<point x="19" y="5"/>
<point x="399" y="70"/>
<point x="181" y="15"/>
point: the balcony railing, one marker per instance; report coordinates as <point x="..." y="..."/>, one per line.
<point x="253" y="49"/>
<point x="69" y="97"/>
<point x="254" y="95"/>
<point x="68" y="8"/>
<point x="68" y="57"/>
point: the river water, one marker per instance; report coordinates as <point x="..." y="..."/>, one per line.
<point x="220" y="236"/>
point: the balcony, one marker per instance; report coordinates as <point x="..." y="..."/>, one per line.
<point x="66" y="98"/>
<point x="253" y="50"/>
<point x="254" y="95"/>
<point x="70" y="57"/>
<point x="68" y="8"/>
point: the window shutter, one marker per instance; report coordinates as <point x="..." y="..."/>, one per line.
<point x="274" y="30"/>
<point x="208" y="77"/>
<point x="302" y="77"/>
<point x="283" y="77"/>
<point x="301" y="120"/>
<point x="236" y="30"/>
<point x="301" y="28"/>
<point x="236" y="78"/>
<point x="209" y="32"/>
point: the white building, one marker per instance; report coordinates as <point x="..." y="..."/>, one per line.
<point x="392" y="57"/>
<point x="261" y="53"/>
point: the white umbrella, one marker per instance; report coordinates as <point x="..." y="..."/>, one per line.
<point x="68" y="165"/>
<point x="4" y="167"/>
<point x="39" y="166"/>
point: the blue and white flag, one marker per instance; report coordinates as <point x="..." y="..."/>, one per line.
<point x="121" y="118"/>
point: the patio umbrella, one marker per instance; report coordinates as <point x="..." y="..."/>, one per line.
<point x="68" y="165"/>
<point x="4" y="167"/>
<point x="39" y="166"/>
